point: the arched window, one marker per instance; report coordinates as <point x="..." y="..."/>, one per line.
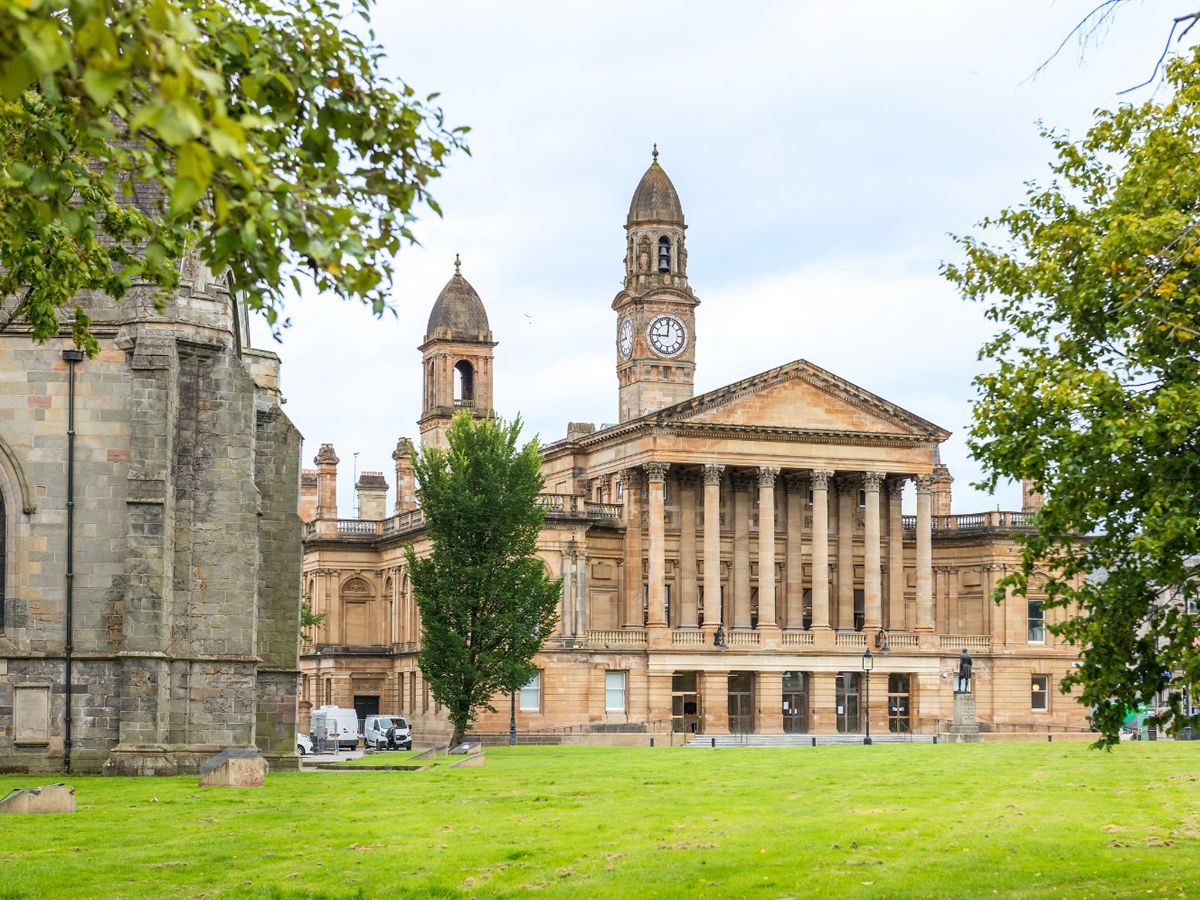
<point x="664" y="254"/>
<point x="464" y="384"/>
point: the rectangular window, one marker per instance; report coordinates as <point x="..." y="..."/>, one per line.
<point x="807" y="608"/>
<point x="400" y="691"/>
<point x="1037" y="622"/>
<point x="614" y="691"/>
<point x="860" y="615"/>
<point x="620" y="489"/>
<point x="862" y="499"/>
<point x="531" y="695"/>
<point x="425" y="699"/>
<point x="1039" y="689"/>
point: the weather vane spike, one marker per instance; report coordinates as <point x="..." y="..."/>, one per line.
<point x="655" y="153"/>
<point x="457" y="265"/>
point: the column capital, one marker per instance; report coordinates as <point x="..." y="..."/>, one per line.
<point x="689" y="478"/>
<point x="924" y="484"/>
<point x="656" y="472"/>
<point x="821" y="478"/>
<point x="895" y="485"/>
<point x="712" y="473"/>
<point x="767" y="475"/>
<point x="630" y="477"/>
<point x="847" y="483"/>
<point x="795" y="483"/>
<point x="873" y="480"/>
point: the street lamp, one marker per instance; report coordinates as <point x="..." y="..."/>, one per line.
<point x="868" y="663"/>
<point x="512" y="719"/>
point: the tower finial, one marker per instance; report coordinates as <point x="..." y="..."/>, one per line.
<point x="457" y="265"/>
<point x="655" y="153"/>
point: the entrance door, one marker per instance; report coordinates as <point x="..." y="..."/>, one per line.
<point x="741" y="703"/>
<point x="795" y="702"/>
<point x="685" y="703"/>
<point x="849" y="701"/>
<point x="365" y="705"/>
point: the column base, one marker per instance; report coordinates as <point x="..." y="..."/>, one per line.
<point x="770" y="637"/>
<point x="658" y="637"/>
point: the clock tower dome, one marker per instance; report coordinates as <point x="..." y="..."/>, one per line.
<point x="656" y="310"/>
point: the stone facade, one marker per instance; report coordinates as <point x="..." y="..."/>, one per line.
<point x="727" y="559"/>
<point x="186" y="542"/>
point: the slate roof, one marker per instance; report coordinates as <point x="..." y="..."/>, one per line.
<point x="655" y="199"/>
<point x="458" y="313"/>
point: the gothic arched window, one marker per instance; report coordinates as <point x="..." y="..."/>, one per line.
<point x="664" y="254"/>
<point x="464" y="384"/>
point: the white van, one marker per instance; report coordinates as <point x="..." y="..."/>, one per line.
<point x="335" y="720"/>
<point x="375" y="732"/>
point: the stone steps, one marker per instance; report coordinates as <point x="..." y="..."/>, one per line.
<point x="802" y="740"/>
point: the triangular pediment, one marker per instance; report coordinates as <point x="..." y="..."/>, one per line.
<point x="799" y="396"/>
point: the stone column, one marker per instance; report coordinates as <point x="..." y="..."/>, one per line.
<point x="766" y="547"/>
<point x="872" y="563"/>
<point x="769" y="715"/>
<point x="581" y="596"/>
<point x="688" y="483"/>
<point x="741" y="550"/>
<point x="820" y="548"/>
<point x="924" y="554"/>
<point x="566" y="619"/>
<point x="896" y="578"/>
<point x="656" y="474"/>
<point x="714" y="698"/>
<point x="631" y="491"/>
<point x="793" y="605"/>
<point x="712" y="547"/>
<point x="847" y="509"/>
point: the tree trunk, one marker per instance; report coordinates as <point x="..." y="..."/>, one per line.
<point x="457" y="737"/>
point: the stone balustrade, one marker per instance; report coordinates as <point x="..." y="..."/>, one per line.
<point x="743" y="639"/>
<point x="973" y="643"/>
<point x="798" y="639"/>
<point x="628" y="637"/>
<point x="968" y="523"/>
<point x="900" y="640"/>
<point x="687" y="637"/>
<point x="853" y="639"/>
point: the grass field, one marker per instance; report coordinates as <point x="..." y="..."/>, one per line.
<point x="895" y="821"/>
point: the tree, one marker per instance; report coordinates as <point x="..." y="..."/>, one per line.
<point x="258" y="134"/>
<point x="485" y="599"/>
<point x="309" y="621"/>
<point x="1095" y="393"/>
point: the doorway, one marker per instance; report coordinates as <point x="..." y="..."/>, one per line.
<point x="795" y="702"/>
<point x="685" y="703"/>
<point x="741" y="702"/>
<point x="849" y="702"/>
<point x="365" y="705"/>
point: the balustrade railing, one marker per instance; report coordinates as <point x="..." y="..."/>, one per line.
<point x="797" y="639"/>
<point x="687" y="637"/>
<point x="617" y="637"/>
<point x="973" y="643"/>
<point x="969" y="522"/>
<point x="903" y="641"/>
<point x="743" y="639"/>
<point x="855" y="639"/>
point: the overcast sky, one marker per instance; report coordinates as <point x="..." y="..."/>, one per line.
<point x="822" y="157"/>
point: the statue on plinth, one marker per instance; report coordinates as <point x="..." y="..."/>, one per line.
<point x="962" y="683"/>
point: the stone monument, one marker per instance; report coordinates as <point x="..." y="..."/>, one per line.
<point x="964" y="727"/>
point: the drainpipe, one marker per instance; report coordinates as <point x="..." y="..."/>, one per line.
<point x="71" y="357"/>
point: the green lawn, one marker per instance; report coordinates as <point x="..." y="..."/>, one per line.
<point x="896" y="821"/>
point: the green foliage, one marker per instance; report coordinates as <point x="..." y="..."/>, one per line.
<point x="309" y="620"/>
<point x="485" y="599"/>
<point x="1095" y="394"/>
<point x="258" y="134"/>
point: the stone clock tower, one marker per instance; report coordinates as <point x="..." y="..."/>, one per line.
<point x="656" y="311"/>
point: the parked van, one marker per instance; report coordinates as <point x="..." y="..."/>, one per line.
<point x="339" y="722"/>
<point x="375" y="732"/>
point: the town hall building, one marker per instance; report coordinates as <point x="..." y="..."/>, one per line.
<point x="731" y="562"/>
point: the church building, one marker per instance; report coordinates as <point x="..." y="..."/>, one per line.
<point x="736" y="561"/>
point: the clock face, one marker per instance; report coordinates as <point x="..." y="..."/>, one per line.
<point x="667" y="335"/>
<point x="625" y="338"/>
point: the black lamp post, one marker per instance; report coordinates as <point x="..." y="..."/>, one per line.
<point x="512" y="719"/>
<point x="868" y="663"/>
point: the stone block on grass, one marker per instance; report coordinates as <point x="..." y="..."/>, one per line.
<point x="50" y="798"/>
<point x="235" y="767"/>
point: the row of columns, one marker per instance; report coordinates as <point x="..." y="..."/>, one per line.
<point x="768" y="607"/>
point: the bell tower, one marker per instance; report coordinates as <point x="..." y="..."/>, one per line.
<point x="457" y="359"/>
<point x="656" y="310"/>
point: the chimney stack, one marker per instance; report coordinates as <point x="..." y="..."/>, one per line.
<point x="372" y="496"/>
<point x="406" y="479"/>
